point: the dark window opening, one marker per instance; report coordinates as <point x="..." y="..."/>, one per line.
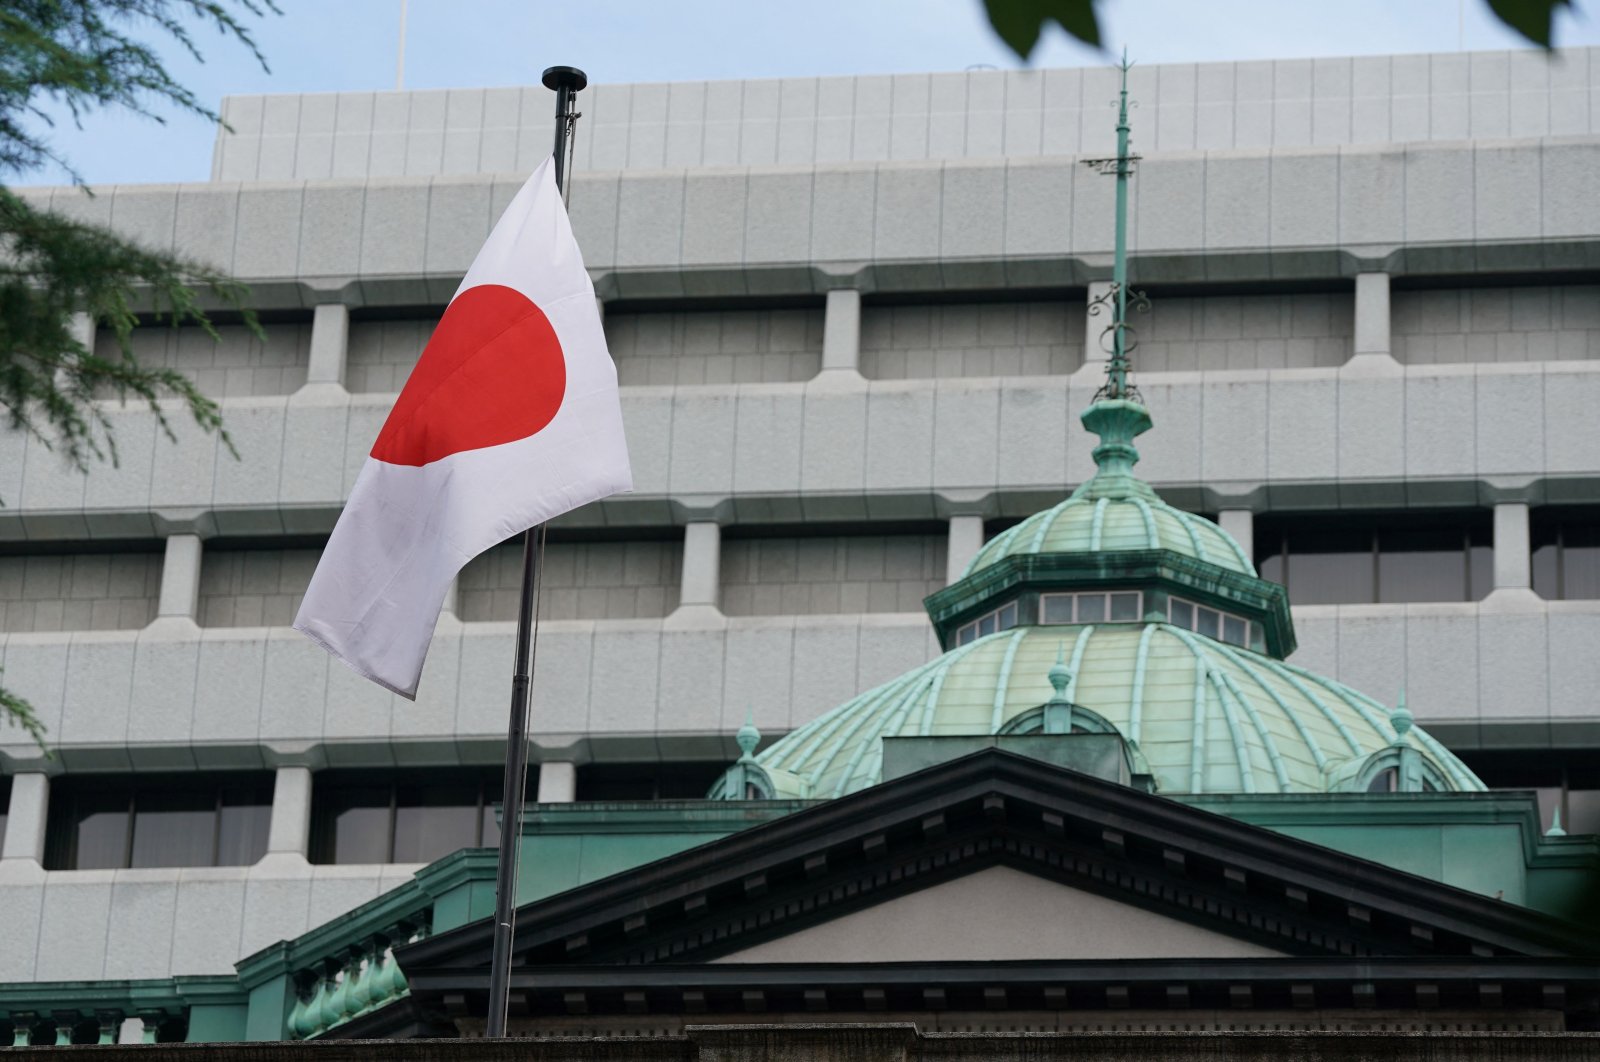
<point x="648" y="781"/>
<point x="1566" y="553"/>
<point x="1568" y="779"/>
<point x="1373" y="558"/>
<point x="376" y="817"/>
<point x="118" y="822"/>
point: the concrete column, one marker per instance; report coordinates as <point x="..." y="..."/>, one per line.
<point x="841" y="332"/>
<point x="27" y="817"/>
<point x="702" y="565"/>
<point x="289" y="831"/>
<point x="1372" y="344"/>
<point x="966" y="539"/>
<point x="1513" y="560"/>
<point x="1241" y="524"/>
<point x="1094" y="351"/>
<point x="558" y="782"/>
<point x="330" y="344"/>
<point x="84" y="329"/>
<point x="180" y="578"/>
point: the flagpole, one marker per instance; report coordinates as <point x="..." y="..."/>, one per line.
<point x="567" y="82"/>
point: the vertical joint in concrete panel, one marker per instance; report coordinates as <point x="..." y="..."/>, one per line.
<point x="841" y="331"/>
<point x="330" y="342"/>
<point x="1241" y="524"/>
<point x="1094" y="351"/>
<point x="702" y="564"/>
<point x="966" y="538"/>
<point x="27" y="817"/>
<point x="558" y="782"/>
<point x="289" y="832"/>
<point x="180" y="578"/>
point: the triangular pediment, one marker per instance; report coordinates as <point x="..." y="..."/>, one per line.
<point x="930" y="847"/>
<point x="999" y="914"/>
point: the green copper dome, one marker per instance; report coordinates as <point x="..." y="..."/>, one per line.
<point x="1199" y="715"/>
<point x="1204" y="705"/>
<point x="1116" y="510"/>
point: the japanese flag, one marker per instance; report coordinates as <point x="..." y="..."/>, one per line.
<point x="510" y="418"/>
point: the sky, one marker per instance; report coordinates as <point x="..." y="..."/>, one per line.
<point x="351" y="45"/>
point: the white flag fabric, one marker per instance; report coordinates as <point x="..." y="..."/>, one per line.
<point x="511" y="417"/>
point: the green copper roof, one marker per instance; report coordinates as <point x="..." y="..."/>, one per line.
<point x="1206" y="717"/>
<point x="1115" y="510"/>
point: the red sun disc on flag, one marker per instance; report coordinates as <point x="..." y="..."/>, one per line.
<point x="493" y="373"/>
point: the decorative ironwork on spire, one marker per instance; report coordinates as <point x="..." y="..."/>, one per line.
<point x="1121" y="335"/>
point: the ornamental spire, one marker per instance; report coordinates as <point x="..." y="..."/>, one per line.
<point x="1117" y="415"/>
<point x="1116" y="339"/>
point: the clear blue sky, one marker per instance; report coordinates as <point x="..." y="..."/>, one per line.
<point x="341" y="45"/>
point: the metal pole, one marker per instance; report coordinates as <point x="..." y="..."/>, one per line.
<point x="1119" y="275"/>
<point x="567" y="83"/>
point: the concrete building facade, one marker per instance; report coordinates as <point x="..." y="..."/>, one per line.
<point x="850" y="321"/>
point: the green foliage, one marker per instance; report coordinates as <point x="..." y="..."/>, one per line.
<point x="81" y="56"/>
<point x="1531" y="18"/>
<point x="1021" y="22"/>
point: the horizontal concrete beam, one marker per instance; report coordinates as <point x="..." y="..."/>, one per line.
<point x="626" y="689"/>
<point x="914" y="449"/>
<point x="1232" y="216"/>
<point x="236" y="698"/>
<point x="938" y="115"/>
<point x="91" y="925"/>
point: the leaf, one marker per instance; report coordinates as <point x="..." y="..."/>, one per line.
<point x="1531" y="18"/>
<point x="1020" y="22"/>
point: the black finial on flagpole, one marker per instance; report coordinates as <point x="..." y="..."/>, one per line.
<point x="566" y="82"/>
<point x="565" y="77"/>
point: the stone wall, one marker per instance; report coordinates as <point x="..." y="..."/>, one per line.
<point x="1290" y="331"/>
<point x="1541" y="322"/>
<point x="235" y="365"/>
<point x="715" y="347"/>
<point x="830" y="574"/>
<point x="78" y="591"/>
<point x="581" y="580"/>
<point x="382" y="352"/>
<point x="971" y="339"/>
<point x="253" y="587"/>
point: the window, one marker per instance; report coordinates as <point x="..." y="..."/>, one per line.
<point x="5" y="808"/>
<point x="1213" y="623"/>
<point x="1368" y="558"/>
<point x="1001" y="619"/>
<point x="1566" y="554"/>
<point x="170" y="821"/>
<point x="1385" y="781"/>
<point x="1568" y="779"/>
<point x="648" y="781"/>
<point x="1119" y="606"/>
<point x="375" y="817"/>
